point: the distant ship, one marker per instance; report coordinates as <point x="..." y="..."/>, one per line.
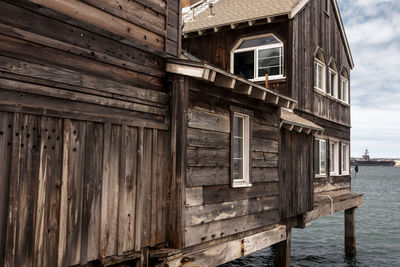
<point x="367" y="161"/>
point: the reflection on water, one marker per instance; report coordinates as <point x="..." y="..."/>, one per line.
<point x="378" y="229"/>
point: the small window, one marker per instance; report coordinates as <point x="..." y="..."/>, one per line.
<point x="254" y="58"/>
<point x="240" y="169"/>
<point x="320" y="157"/>
<point x="344" y="90"/>
<point x="345" y="159"/>
<point x="332" y="88"/>
<point x="327" y="6"/>
<point x="319" y="75"/>
<point x="334" y="158"/>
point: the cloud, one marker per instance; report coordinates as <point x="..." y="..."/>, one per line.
<point x="374" y="37"/>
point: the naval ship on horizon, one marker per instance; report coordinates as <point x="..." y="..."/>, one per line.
<point x="367" y="161"/>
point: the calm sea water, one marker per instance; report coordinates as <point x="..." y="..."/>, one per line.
<point x="377" y="226"/>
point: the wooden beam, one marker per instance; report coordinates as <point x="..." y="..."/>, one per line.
<point x="251" y="22"/>
<point x="243" y="88"/>
<point x="266" y="81"/>
<point x="197" y="72"/>
<point x="258" y="93"/>
<point x="200" y="32"/>
<point x="233" y="26"/>
<point x="350" y="231"/>
<point x="216" y="29"/>
<point x="288" y="126"/>
<point x="224" y="81"/>
<point x="269" y="20"/>
<point x="307" y="130"/>
<point x="282" y="250"/>
<point x="298" y="129"/>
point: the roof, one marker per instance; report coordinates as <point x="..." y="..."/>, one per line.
<point x="291" y="121"/>
<point x="232" y="12"/>
<point x="237" y="11"/>
<point x="221" y="78"/>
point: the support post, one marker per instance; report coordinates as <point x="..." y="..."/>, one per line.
<point x="283" y="250"/>
<point x="350" y="231"/>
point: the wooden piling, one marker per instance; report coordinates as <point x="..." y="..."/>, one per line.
<point x="350" y="231"/>
<point x="282" y="250"/>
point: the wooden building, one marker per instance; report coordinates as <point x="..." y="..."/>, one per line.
<point x="119" y="148"/>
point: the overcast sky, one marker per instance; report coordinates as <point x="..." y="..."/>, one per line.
<point x="373" y="30"/>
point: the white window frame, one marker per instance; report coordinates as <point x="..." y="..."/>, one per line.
<point x="345" y="147"/>
<point x="333" y="91"/>
<point x="344" y="89"/>
<point x="245" y="181"/>
<point x="256" y="49"/>
<point x="333" y="158"/>
<point x="316" y="78"/>
<point x="320" y="156"/>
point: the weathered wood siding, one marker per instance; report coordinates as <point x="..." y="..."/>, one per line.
<point x="296" y="173"/>
<point x="84" y="129"/>
<point x="213" y="208"/>
<point x="216" y="48"/>
<point x="314" y="27"/>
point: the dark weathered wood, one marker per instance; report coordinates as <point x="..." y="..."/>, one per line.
<point x="199" y="138"/>
<point x="203" y="176"/>
<point x="207" y="157"/>
<point x="282" y="250"/>
<point x="350" y="231"/>
<point x="208" y="121"/>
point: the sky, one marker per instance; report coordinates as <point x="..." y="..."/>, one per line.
<point x="373" y="31"/>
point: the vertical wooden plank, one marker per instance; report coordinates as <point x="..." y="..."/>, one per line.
<point x="146" y="172"/>
<point x="350" y="231"/>
<point x="92" y="192"/>
<point x="140" y="192"/>
<point x="76" y="167"/>
<point x="154" y="182"/>
<point x="48" y="200"/>
<point x="29" y="165"/>
<point x="122" y="181"/>
<point x="15" y="174"/>
<point x="131" y="141"/>
<point x="6" y="121"/>
<point x="110" y="190"/>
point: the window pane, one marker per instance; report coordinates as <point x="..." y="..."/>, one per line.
<point x="237" y="169"/>
<point x="316" y="74"/>
<point x="320" y="76"/>
<point x="259" y="42"/>
<point x="244" y="64"/>
<point x="270" y="71"/>
<point x="238" y="126"/>
<point x="323" y="157"/>
<point x="268" y="62"/>
<point x="271" y="52"/>
<point x="238" y="148"/>
<point x="316" y="157"/>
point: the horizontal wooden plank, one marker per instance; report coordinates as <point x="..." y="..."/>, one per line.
<point x="201" y="138"/>
<point x="224" y="193"/>
<point x="216" y="255"/>
<point x="264" y="145"/>
<point x="194" y="196"/>
<point x="265" y="131"/>
<point x="209" y="231"/>
<point x="92" y="15"/>
<point x="259" y="175"/>
<point x="203" y="176"/>
<point x="76" y="96"/>
<point x="207" y="157"/>
<point x="208" y="121"/>
<point x="222" y="211"/>
<point x="33" y="104"/>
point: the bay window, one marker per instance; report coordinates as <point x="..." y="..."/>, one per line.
<point x="255" y="57"/>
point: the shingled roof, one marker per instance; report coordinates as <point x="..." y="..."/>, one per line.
<point x="236" y="11"/>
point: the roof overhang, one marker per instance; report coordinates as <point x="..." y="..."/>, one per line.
<point x="221" y="78"/>
<point x="293" y="122"/>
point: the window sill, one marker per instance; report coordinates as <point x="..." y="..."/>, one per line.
<point x="321" y="176"/>
<point x="331" y="97"/>
<point x="241" y="184"/>
<point x="270" y="78"/>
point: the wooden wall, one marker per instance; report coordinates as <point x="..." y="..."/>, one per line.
<point x="213" y="208"/>
<point x="296" y="173"/>
<point x="312" y="28"/>
<point x="85" y="140"/>
<point x="216" y="48"/>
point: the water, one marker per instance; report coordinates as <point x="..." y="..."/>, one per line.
<point x="377" y="227"/>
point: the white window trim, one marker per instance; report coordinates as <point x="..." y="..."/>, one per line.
<point x="347" y="147"/>
<point x="333" y="91"/>
<point x="344" y="90"/>
<point x="319" y="62"/>
<point x="321" y="174"/>
<point x="245" y="182"/>
<point x="235" y="50"/>
<point x="335" y="159"/>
